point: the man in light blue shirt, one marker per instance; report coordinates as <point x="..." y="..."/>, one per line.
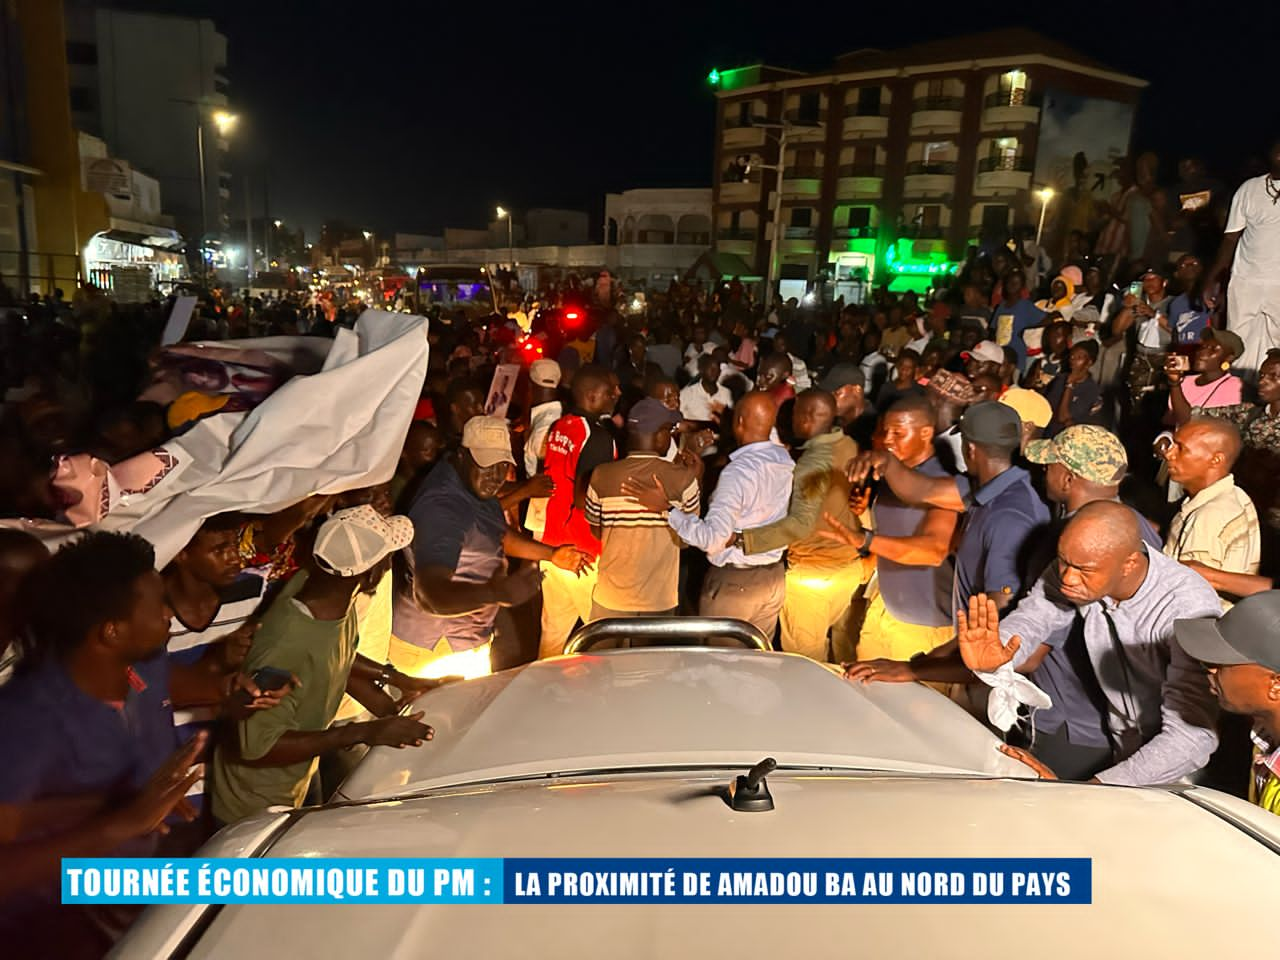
<point x="754" y="490"/>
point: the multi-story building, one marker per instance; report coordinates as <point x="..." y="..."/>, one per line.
<point x="897" y="161"/>
<point x="70" y="207"/>
<point x="146" y="83"/>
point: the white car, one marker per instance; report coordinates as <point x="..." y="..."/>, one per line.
<point x="629" y="753"/>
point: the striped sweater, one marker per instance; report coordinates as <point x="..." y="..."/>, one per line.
<point x="640" y="559"/>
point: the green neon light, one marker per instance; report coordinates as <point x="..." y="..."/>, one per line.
<point x="935" y="263"/>
<point x="713" y="77"/>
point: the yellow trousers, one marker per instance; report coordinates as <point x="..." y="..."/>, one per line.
<point x="566" y="599"/>
<point x="885" y="637"/>
<point x="815" y="603"/>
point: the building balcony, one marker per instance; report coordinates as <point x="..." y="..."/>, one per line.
<point x="804" y="125"/>
<point x="740" y="191"/>
<point x="936" y="114"/>
<point x="739" y="134"/>
<point x="802" y="181"/>
<point x="859" y="180"/>
<point x="736" y="233"/>
<point x="799" y="240"/>
<point x="1004" y="173"/>
<point x="929" y="179"/>
<point x="917" y="231"/>
<point x="856" y="233"/>
<point x="1006" y="108"/>
<point x="743" y="248"/>
<point x="866" y="124"/>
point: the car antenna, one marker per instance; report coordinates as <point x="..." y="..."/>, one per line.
<point x="750" y="793"/>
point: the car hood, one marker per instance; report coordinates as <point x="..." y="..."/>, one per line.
<point x="668" y="707"/>
<point x="1168" y="875"/>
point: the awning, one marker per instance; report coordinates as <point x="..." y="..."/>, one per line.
<point x="143" y="234"/>
<point x="20" y="168"/>
<point x="720" y="264"/>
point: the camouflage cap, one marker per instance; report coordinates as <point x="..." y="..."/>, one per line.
<point x="1093" y="453"/>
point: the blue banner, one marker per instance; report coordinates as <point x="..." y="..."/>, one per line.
<point x="611" y="881"/>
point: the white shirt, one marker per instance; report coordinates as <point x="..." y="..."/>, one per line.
<point x="1254" y="213"/>
<point x="541" y="419"/>
<point x="696" y="403"/>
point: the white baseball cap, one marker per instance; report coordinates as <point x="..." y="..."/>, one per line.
<point x="351" y="541"/>
<point x="545" y="373"/>
<point x="489" y="440"/>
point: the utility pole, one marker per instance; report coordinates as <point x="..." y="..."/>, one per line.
<point x="774" y="245"/>
<point x="248" y="230"/>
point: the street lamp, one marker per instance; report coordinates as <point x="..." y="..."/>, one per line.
<point x="368" y="236"/>
<point x="511" y="254"/>
<point x="224" y="121"/>
<point x="779" y="168"/>
<point x="278" y="223"/>
<point x="1045" y="196"/>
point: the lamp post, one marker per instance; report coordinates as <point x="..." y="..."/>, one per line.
<point x="368" y="236"/>
<point x="1045" y="196"/>
<point x="780" y="169"/>
<point x="511" y="253"/>
<point x="224" y="122"/>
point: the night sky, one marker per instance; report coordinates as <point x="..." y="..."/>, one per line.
<point x="411" y="116"/>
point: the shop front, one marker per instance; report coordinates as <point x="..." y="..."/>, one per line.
<point x="132" y="262"/>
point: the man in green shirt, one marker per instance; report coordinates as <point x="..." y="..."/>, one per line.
<point x="310" y="632"/>
<point x="822" y="575"/>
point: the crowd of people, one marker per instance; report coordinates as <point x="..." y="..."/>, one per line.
<point x="1044" y="489"/>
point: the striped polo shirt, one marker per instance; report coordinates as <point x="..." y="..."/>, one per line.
<point x="188" y="645"/>
<point x="639" y="565"/>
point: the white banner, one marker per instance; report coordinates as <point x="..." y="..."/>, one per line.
<point x="339" y="429"/>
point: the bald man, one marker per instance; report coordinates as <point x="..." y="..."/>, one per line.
<point x="1216" y="529"/>
<point x="1159" y="710"/>
<point x="754" y="490"/>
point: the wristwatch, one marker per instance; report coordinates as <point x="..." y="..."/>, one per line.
<point x="865" y="549"/>
<point x="384" y="677"/>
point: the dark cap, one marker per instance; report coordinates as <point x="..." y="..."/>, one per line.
<point x="991" y="422"/>
<point x="843" y="375"/>
<point x="650" y="415"/>
<point x="1247" y="633"/>
<point x="1231" y="341"/>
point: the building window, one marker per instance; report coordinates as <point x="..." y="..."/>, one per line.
<point x="802" y="217"/>
<point x="869" y="102"/>
<point x="81" y="100"/>
<point x="859" y="218"/>
<point x="864" y="161"/>
<point x="82" y="54"/>
<point x="995" y="221"/>
<point x="930" y="218"/>
<point x="809" y="105"/>
<point x="1013" y="88"/>
<point x="744" y="113"/>
<point x="1004" y="153"/>
<point x="805" y="164"/>
<point x="735" y="221"/>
